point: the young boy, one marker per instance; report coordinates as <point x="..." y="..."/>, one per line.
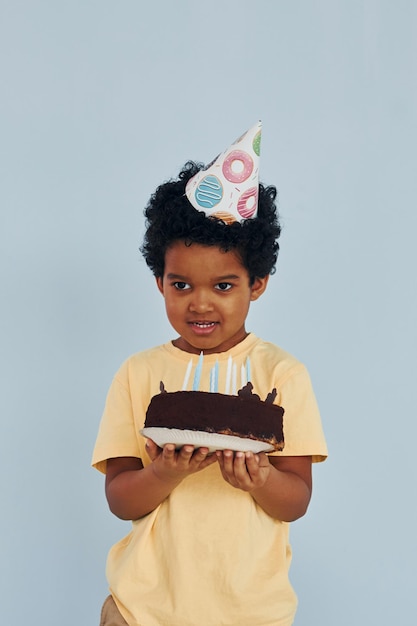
<point x="209" y="543"/>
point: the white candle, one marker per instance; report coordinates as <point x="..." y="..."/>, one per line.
<point x="234" y="379"/>
<point x="197" y="374"/>
<point x="187" y="375"/>
<point x="243" y="380"/>
<point x="248" y="372"/>
<point x="228" y="375"/>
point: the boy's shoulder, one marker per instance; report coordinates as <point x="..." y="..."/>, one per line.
<point x="282" y="365"/>
<point x="273" y="352"/>
<point x="163" y="355"/>
<point x="136" y="359"/>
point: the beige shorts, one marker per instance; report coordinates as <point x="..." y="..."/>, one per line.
<point x="110" y="614"/>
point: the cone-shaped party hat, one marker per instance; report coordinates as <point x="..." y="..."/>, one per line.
<point x="228" y="187"/>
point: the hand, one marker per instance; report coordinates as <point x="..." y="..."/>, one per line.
<point x="171" y="465"/>
<point x="244" y="470"/>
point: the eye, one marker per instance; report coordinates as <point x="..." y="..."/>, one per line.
<point x="223" y="286"/>
<point x="180" y="285"/>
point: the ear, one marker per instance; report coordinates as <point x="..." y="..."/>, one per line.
<point x="160" y="284"/>
<point x="258" y="287"/>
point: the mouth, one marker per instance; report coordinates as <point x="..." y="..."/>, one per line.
<point x="203" y="328"/>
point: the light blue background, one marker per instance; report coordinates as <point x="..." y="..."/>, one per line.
<point x="101" y="101"/>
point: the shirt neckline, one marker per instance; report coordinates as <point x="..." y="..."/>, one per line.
<point x="241" y="347"/>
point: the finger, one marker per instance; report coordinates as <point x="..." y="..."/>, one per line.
<point x="152" y="449"/>
<point x="240" y="469"/>
<point x="187" y="450"/>
<point x="221" y="459"/>
<point x="200" y="454"/>
<point x="199" y="458"/>
<point x="254" y="465"/>
<point x="228" y="467"/>
<point x="209" y="460"/>
<point x="258" y="467"/>
<point x="263" y="458"/>
<point x="252" y="462"/>
<point x="185" y="454"/>
<point x="227" y="461"/>
<point x="168" y="452"/>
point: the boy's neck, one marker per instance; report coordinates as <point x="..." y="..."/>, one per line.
<point x="190" y="349"/>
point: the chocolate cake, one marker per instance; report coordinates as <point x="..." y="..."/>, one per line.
<point x="244" y="415"/>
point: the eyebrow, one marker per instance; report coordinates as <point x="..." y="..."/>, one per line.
<point x="219" y="279"/>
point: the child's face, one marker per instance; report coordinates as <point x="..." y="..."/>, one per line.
<point x="207" y="296"/>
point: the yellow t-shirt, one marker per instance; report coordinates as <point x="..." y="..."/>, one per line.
<point x="207" y="555"/>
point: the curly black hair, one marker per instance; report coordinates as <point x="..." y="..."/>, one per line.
<point x="170" y="217"/>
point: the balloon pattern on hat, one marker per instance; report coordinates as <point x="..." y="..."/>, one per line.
<point x="228" y="188"/>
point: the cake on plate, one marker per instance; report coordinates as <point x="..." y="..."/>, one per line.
<point x="244" y="415"/>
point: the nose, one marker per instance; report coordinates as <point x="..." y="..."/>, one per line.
<point x="200" y="301"/>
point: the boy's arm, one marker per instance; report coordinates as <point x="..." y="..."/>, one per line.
<point x="133" y="490"/>
<point x="280" y="485"/>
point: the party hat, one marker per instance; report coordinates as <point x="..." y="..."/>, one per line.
<point x="228" y="187"/>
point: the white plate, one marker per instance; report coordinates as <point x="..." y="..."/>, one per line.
<point x="198" y="438"/>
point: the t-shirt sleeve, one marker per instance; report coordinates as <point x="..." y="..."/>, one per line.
<point x="303" y="432"/>
<point x="117" y="435"/>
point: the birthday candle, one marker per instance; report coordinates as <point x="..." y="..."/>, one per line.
<point x="248" y="373"/>
<point x="187" y="375"/>
<point x="243" y="380"/>
<point x="228" y="375"/>
<point x="234" y="381"/>
<point x="216" y="376"/>
<point x="197" y="373"/>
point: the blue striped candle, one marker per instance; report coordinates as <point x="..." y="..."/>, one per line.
<point x="214" y="378"/>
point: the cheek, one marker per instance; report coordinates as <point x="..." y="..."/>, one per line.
<point x="173" y="307"/>
<point x="238" y="308"/>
